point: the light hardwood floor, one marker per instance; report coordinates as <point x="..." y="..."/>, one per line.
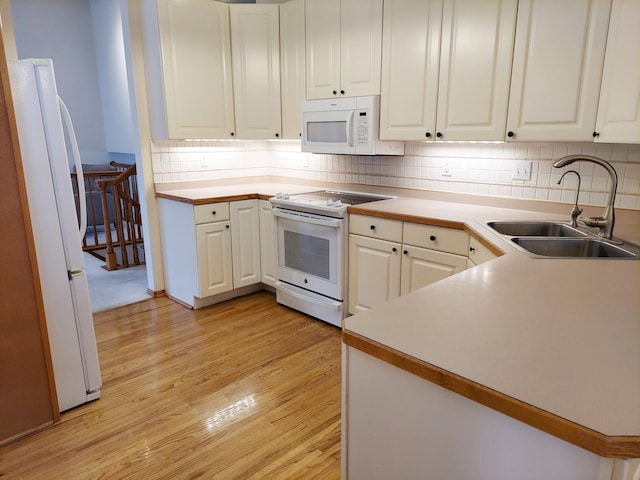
<point x="244" y="389"/>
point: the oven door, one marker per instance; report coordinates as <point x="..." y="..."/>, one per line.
<point x="310" y="251"/>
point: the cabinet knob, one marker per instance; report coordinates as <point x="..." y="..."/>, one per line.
<point x="428" y="134"/>
<point x="510" y="134"/>
<point x="213" y="212"/>
<point x="341" y="92"/>
<point x="471" y="249"/>
<point x="300" y="134"/>
<point x="405" y="252"/>
<point x="596" y="134"/>
<point x="432" y="238"/>
<point x="232" y="134"/>
<point x="277" y="135"/>
<point x="394" y="249"/>
<point x="227" y="226"/>
<point x="334" y="92"/>
<point x="439" y="135"/>
<point x="372" y="227"/>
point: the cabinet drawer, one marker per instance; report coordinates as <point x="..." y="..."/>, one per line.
<point x="375" y="227"/>
<point x="436" y="238"/>
<point x="211" y="212"/>
<point x="478" y="253"/>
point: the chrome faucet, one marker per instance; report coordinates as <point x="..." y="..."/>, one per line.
<point x="606" y="222"/>
<point x="576" y="210"/>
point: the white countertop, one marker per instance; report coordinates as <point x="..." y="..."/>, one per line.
<point x="562" y="335"/>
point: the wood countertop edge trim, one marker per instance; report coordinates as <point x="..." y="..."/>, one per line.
<point x="204" y="201"/>
<point x="579" y="435"/>
<point x="436" y="222"/>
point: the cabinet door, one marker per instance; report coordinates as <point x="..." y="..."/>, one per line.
<point x="196" y="68"/>
<point x="410" y="58"/>
<point x="267" y="244"/>
<point x="322" y="48"/>
<point x="374" y="272"/>
<point x="473" y="90"/>
<point x="213" y="241"/>
<point x="619" y="108"/>
<point x="245" y="242"/>
<point x="255" y="41"/>
<point x="292" y="57"/>
<point x="478" y="253"/>
<point x="421" y="266"/>
<point x="557" y="68"/>
<point x="360" y="47"/>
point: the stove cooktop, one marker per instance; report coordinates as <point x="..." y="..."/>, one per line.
<point x="333" y="203"/>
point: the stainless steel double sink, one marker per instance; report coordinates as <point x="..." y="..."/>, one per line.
<point x="561" y="240"/>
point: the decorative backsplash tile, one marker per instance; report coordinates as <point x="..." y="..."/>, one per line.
<point x="483" y="169"/>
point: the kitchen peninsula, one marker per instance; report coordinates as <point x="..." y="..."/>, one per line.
<point x="551" y="343"/>
<point x="519" y="367"/>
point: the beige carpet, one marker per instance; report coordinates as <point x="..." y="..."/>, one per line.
<point x="110" y="289"/>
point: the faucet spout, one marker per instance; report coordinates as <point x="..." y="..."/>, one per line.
<point x="576" y="210"/>
<point x="606" y="222"/>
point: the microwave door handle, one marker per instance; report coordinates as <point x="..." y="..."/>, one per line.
<point x="350" y="129"/>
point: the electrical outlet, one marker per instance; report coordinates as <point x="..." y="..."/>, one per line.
<point x="521" y="170"/>
<point x="446" y="169"/>
<point x="203" y="162"/>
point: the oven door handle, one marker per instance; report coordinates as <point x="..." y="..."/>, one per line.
<point x="305" y="218"/>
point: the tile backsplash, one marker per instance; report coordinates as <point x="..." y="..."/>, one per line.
<point x="481" y="169"/>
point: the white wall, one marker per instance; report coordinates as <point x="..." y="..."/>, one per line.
<point x="62" y="30"/>
<point x="112" y="75"/>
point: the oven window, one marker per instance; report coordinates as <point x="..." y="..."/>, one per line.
<point x="307" y="253"/>
<point x="327" y="132"/>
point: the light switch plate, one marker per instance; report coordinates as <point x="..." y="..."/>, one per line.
<point x="521" y="170"/>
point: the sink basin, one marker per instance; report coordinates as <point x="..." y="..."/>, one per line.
<point x="535" y="229"/>
<point x="575" y="248"/>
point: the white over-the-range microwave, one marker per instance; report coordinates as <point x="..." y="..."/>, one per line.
<point x="345" y="126"/>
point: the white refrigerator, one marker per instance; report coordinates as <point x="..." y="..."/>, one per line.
<point x="40" y="117"/>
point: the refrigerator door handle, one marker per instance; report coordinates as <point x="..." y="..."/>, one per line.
<point x="82" y="198"/>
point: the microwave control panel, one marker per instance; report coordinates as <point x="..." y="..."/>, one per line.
<point x="362" y="128"/>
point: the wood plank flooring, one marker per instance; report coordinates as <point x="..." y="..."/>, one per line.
<point x="246" y="389"/>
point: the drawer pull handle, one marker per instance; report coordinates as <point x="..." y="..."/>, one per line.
<point x="213" y="213"/>
<point x="432" y="238"/>
<point x="372" y="227"/>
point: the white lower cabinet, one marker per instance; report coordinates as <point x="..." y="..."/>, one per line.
<point x="479" y="253"/>
<point x="213" y="243"/>
<point x="374" y="272"/>
<point x="421" y="267"/>
<point x="389" y="258"/>
<point x="245" y="242"/>
<point x="267" y="244"/>
<point x="211" y="252"/>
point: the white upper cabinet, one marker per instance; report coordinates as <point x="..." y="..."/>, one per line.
<point x="410" y="59"/>
<point x="446" y="69"/>
<point x="619" y="108"/>
<point x="292" y="68"/>
<point x="188" y="51"/>
<point x="343" y="48"/>
<point x="475" y="69"/>
<point x="255" y="41"/>
<point x="557" y="69"/>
